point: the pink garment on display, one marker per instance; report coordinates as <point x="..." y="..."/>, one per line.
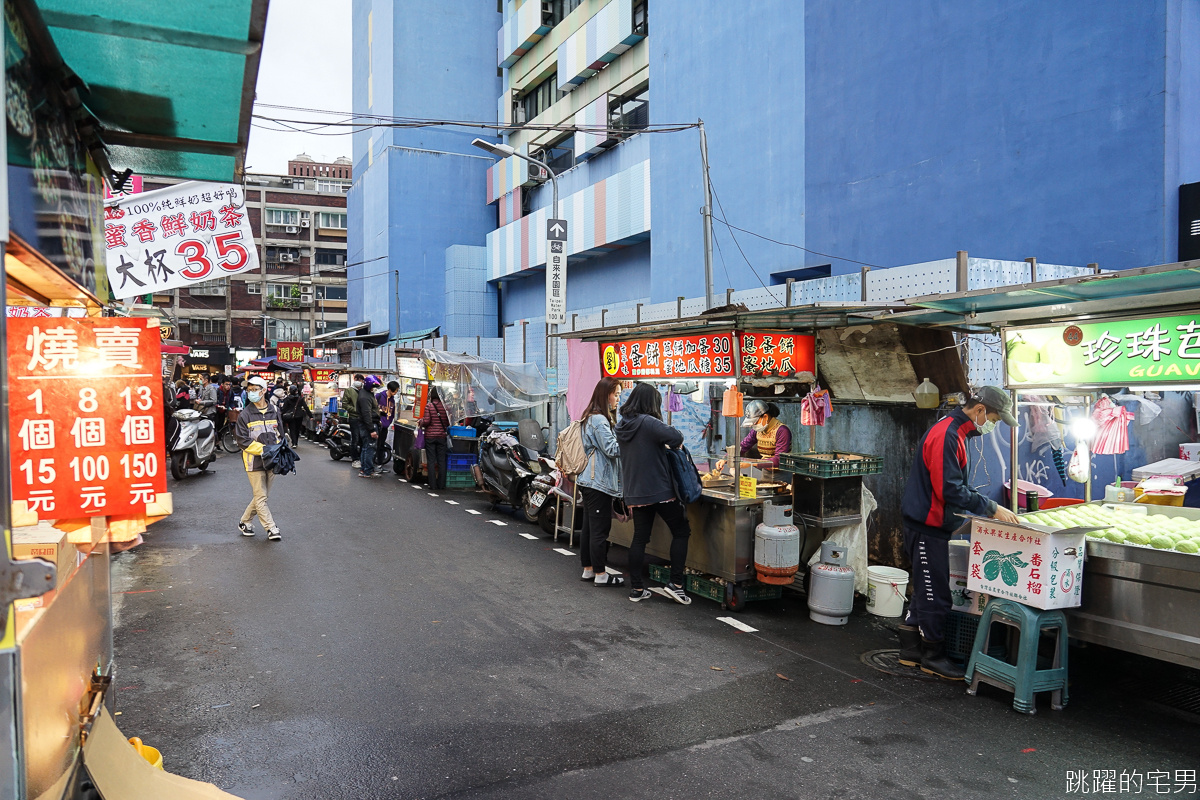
<point x="816" y="407"/>
<point x="1112" y="422"/>
<point x="583" y="371"/>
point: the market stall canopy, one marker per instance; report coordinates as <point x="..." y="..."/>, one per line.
<point x="1160" y="289"/>
<point x="171" y="83"/>
<point x="491" y="386"/>
<point x="275" y="365"/>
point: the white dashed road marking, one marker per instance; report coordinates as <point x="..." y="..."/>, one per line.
<point x="564" y="551"/>
<point x="452" y="502"/>
<point x="528" y="535"/>
<point x="741" y="626"/>
<point x="431" y="494"/>
<point x="497" y="522"/>
<point x="472" y="511"/>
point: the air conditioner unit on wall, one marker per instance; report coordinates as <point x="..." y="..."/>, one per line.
<point x="304" y="223"/>
<point x="306" y="297"/>
<point x="286" y="258"/>
<point x="292" y="229"/>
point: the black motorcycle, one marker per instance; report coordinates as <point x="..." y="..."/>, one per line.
<point x="338" y="438"/>
<point x="509" y="463"/>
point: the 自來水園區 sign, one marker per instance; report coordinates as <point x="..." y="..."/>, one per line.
<point x="1155" y="351"/>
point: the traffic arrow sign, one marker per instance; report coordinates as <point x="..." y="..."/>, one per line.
<point x="556" y="230"/>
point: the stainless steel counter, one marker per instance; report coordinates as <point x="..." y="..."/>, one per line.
<point x="1142" y="601"/>
<point x="722" y="541"/>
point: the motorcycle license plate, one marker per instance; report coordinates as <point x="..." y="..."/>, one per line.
<point x="537" y="498"/>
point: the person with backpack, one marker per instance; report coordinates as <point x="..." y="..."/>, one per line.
<point x="436" y="424"/>
<point x="599" y="481"/>
<point x="295" y="413"/>
<point x="649" y="488"/>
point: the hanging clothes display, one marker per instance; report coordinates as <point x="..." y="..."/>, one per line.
<point x="816" y="407"/>
<point x="1112" y="423"/>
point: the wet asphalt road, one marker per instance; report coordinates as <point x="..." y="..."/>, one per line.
<point x="395" y="645"/>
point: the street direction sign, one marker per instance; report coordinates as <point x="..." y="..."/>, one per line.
<point x="556" y="271"/>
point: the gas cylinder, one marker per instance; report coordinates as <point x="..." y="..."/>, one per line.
<point x="776" y="545"/>
<point x="831" y="587"/>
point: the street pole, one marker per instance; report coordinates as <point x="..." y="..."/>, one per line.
<point x="707" y="211"/>
<point x="551" y="329"/>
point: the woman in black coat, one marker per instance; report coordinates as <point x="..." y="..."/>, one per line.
<point x="648" y="488"/>
<point x="295" y="414"/>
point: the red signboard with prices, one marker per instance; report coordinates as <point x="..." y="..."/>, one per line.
<point x="86" y="416"/>
<point x="776" y="355"/>
<point x="708" y="355"/>
<point x="289" y="352"/>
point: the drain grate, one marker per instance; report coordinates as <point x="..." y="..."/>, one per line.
<point x="1178" y="696"/>
<point x="887" y="661"/>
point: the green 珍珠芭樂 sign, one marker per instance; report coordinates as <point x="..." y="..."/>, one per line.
<point x="1130" y="352"/>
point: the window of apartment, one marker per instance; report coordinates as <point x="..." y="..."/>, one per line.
<point x="282" y="216"/>
<point x="205" y="325"/>
<point x="283" y="255"/>
<point x="326" y="219"/>
<point x="213" y="288"/>
<point x="538" y="99"/>
<point x="557" y="11"/>
<point x="640" y="20"/>
<point x="631" y="111"/>
<point x="331" y="292"/>
<point x="279" y="291"/>
<point x="287" y="330"/>
<point x="330" y="258"/>
<point x="560" y="155"/>
<point x="298" y="183"/>
<point x="338" y="187"/>
<point x="253" y="288"/>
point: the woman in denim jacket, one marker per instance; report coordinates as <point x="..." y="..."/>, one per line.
<point x="600" y="482"/>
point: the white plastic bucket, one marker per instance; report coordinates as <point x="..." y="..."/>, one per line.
<point x="885" y="590"/>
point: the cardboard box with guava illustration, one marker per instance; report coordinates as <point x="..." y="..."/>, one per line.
<point x="1042" y="570"/>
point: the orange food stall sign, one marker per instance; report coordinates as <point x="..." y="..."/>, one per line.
<point x="289" y="352"/>
<point x="320" y="375"/>
<point x="86" y="416"/>
<point x="708" y="355"/>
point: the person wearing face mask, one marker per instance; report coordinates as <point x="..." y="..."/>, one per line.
<point x="938" y="490"/>
<point x="768" y="436"/>
<point x="349" y="406"/>
<point x="259" y="424"/>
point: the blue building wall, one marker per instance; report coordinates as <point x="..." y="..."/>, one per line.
<point x="1014" y="128"/>
<point x="742" y="70"/>
<point x="618" y="277"/>
<point x="417" y="191"/>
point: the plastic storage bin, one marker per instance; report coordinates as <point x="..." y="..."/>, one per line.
<point x="461" y="462"/>
<point x="831" y="465"/>
<point x="463" y="431"/>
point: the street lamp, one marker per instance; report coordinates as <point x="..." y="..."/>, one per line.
<point x="504" y="151"/>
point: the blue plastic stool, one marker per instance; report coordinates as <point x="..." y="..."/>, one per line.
<point x="1023" y="679"/>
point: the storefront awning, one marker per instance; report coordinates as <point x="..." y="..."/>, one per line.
<point x="1131" y="291"/>
<point x="171" y="83"/>
<point x="342" y="333"/>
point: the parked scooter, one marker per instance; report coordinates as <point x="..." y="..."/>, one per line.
<point x="191" y="442"/>
<point x="339" y="439"/>
<point x="508" y="466"/>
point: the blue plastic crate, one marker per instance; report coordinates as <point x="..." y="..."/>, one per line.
<point x="461" y="462"/>
<point x="463" y="431"/>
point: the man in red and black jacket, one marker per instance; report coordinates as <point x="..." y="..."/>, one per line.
<point x="937" y="491"/>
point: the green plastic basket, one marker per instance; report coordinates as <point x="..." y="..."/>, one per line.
<point x="715" y="590"/>
<point x="831" y="465"/>
<point x="460" y="480"/>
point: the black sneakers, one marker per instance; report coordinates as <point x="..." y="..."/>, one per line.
<point x="246" y="528"/>
<point x="638" y="595"/>
<point x="273" y="535"/>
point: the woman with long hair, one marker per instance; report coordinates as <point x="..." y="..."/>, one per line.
<point x="648" y="488"/>
<point x="600" y="482"/>
<point x="436" y="422"/>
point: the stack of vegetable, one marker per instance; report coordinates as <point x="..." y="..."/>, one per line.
<point x="1144" y="530"/>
